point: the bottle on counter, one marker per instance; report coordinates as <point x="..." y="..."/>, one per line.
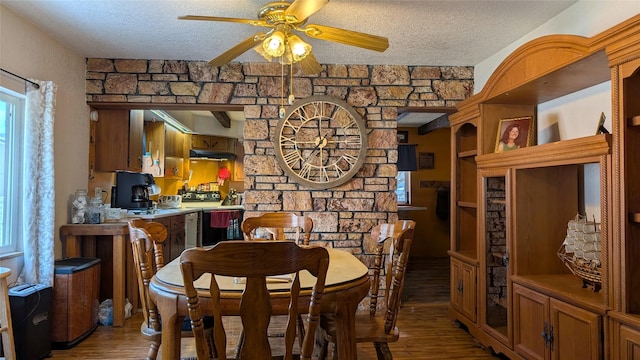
<point x="79" y="207"/>
<point x="95" y="211"/>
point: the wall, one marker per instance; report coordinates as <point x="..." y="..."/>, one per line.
<point x="343" y="216"/>
<point x="585" y="18"/>
<point x="431" y="237"/>
<point x="27" y="51"/>
<point x="577" y="114"/>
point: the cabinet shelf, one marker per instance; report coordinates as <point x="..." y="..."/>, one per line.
<point x="467" y="204"/>
<point x="466" y="256"/>
<point x="574" y="151"/>
<point x="468" y="153"/>
<point x="565" y="287"/>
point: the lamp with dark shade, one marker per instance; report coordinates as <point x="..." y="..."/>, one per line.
<point x="407" y="160"/>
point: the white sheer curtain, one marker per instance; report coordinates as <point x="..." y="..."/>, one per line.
<point x="38" y="208"/>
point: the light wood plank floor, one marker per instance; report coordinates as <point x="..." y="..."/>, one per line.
<point x="425" y="330"/>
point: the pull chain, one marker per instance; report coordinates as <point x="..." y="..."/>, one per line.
<point x="281" y="111"/>
<point x="291" y="96"/>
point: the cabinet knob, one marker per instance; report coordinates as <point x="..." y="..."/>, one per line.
<point x="460" y="287"/>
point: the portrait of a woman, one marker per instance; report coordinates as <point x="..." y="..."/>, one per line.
<point x="514" y="134"/>
<point x="510" y="138"/>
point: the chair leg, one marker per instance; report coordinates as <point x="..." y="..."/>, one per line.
<point x="322" y="345"/>
<point x="301" y="330"/>
<point x="208" y="333"/>
<point x="382" y="350"/>
<point x="152" y="354"/>
<point x="240" y="344"/>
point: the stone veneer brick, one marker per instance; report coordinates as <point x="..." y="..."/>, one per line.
<point x="343" y="216"/>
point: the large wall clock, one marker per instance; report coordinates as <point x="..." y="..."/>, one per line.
<point x="321" y="142"/>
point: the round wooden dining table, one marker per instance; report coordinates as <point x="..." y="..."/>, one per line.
<point x="347" y="283"/>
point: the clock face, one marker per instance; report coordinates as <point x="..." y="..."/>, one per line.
<point x="321" y="142"/>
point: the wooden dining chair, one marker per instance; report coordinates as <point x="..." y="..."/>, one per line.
<point x="147" y="240"/>
<point x="275" y="226"/>
<point x="255" y="261"/>
<point x="381" y="329"/>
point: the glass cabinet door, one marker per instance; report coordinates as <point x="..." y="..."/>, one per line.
<point x="495" y="257"/>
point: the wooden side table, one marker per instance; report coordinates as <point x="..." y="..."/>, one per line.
<point x="73" y="237"/>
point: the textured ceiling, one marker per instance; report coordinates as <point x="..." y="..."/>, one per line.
<point x="420" y="32"/>
<point x="426" y="32"/>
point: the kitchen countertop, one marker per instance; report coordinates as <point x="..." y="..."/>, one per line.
<point x="188" y="207"/>
<point x="411" y="208"/>
<point x="209" y="205"/>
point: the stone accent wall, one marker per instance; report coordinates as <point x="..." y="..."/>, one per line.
<point x="343" y="216"/>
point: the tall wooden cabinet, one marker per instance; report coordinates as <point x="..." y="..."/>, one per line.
<point x="510" y="210"/>
<point x="625" y="319"/>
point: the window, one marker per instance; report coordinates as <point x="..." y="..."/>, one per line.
<point x="403" y="189"/>
<point x="11" y="142"/>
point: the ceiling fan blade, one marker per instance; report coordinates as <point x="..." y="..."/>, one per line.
<point x="347" y="37"/>
<point x="237" y="50"/>
<point x="300" y="10"/>
<point x="310" y="65"/>
<point x="253" y="22"/>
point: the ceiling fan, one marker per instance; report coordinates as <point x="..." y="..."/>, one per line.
<point x="284" y="18"/>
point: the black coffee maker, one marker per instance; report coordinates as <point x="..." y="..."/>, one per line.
<point x="131" y="190"/>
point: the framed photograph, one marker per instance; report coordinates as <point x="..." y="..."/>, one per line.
<point x="601" y="129"/>
<point x="403" y="137"/>
<point x="426" y="160"/>
<point x="514" y="133"/>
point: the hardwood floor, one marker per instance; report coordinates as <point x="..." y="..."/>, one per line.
<point x="425" y="330"/>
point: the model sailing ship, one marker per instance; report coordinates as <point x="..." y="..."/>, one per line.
<point x="581" y="251"/>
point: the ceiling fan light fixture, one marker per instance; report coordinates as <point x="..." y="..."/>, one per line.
<point x="260" y="50"/>
<point x="274" y="45"/>
<point x="287" y="56"/>
<point x="299" y="48"/>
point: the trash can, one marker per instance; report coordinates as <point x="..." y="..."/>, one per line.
<point x="31" y="318"/>
<point x="76" y="291"/>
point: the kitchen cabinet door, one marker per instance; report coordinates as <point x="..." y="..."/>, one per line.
<point x="213" y="143"/>
<point x="238" y="165"/>
<point x="118" y="140"/>
<point x="173" y="143"/>
<point x="176" y="237"/>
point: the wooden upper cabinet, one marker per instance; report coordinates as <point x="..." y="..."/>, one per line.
<point x="174" y="143"/>
<point x="165" y="146"/>
<point x="213" y="143"/>
<point x="118" y="140"/>
<point x="154" y="163"/>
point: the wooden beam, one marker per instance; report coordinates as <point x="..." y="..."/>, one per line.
<point x="439" y="123"/>
<point x="163" y="106"/>
<point x="222" y="118"/>
<point x="434" y="109"/>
